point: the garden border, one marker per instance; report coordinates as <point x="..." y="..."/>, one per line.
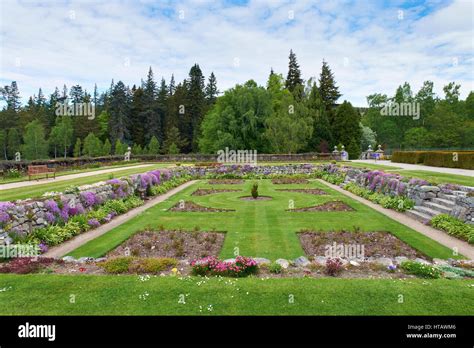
<point x="83" y="238"/>
<point x="439" y="236"/>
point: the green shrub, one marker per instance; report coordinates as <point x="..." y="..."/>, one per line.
<point x="117" y="265"/>
<point x="151" y="265"/>
<point x="275" y="268"/>
<point x="390" y="202"/>
<point x="132" y="202"/>
<point x="131" y="264"/>
<point x="116" y="205"/>
<point x="98" y="214"/>
<point x="12" y="173"/>
<point x="81" y="220"/>
<point x="254" y="191"/>
<point x="454" y="227"/>
<point x="421" y="270"/>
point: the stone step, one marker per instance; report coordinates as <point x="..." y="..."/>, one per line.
<point x="419" y="216"/>
<point x="445" y="196"/>
<point x="426" y="210"/>
<point x="441" y="201"/>
<point x="442" y="209"/>
<point x="460" y="193"/>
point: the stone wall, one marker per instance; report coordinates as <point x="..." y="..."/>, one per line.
<point x="416" y="189"/>
<point x="28" y="215"/>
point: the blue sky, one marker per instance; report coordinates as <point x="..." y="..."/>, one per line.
<point x="371" y="46"/>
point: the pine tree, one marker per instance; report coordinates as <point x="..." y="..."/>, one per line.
<point x="194" y="108"/>
<point x="172" y="87"/>
<point x="293" y="80"/>
<point x="106" y="148"/>
<point x="137" y="149"/>
<point x="173" y="140"/>
<point x="9" y="117"/>
<point x="162" y="104"/>
<point x="322" y="135"/>
<point x="153" y="146"/>
<point x="119" y="113"/>
<point x="152" y="126"/>
<point x="211" y="90"/>
<point x="119" y="148"/>
<point x="327" y="87"/>
<point x="137" y="129"/>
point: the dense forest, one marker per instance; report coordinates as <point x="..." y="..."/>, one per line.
<point x="288" y="115"/>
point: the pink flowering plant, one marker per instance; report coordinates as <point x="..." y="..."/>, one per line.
<point x="210" y="265"/>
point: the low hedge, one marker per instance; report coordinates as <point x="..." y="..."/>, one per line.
<point x="465" y="159"/>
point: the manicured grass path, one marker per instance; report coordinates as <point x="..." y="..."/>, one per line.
<point x="38" y="190"/>
<point x="119" y="295"/>
<point x="436" y="178"/>
<point x="262" y="228"/>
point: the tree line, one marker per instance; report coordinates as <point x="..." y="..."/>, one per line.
<point x="288" y="115"/>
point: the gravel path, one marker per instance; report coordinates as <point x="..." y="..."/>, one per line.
<point x="443" y="238"/>
<point x="83" y="238"/>
<point x="67" y="177"/>
<point x="407" y="166"/>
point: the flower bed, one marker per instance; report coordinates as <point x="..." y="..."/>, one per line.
<point x="289" y="181"/>
<point x="241" y="267"/>
<point x="365" y="244"/>
<point x="51" y="221"/>
<point x="175" y="244"/>
<point x="205" y="192"/>
<point x="328" y="206"/>
<point x="189" y="206"/>
<point x="316" y="192"/>
<point x="398" y="203"/>
<point x="454" y="227"/>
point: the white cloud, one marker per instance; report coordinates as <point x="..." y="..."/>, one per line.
<point x="93" y="46"/>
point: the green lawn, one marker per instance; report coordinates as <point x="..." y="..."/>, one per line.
<point x="373" y="166"/>
<point x="119" y="295"/>
<point x="436" y="178"/>
<point x="432" y="177"/>
<point x="38" y="190"/>
<point x="69" y="172"/>
<point x="262" y="228"/>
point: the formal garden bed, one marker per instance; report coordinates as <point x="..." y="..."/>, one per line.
<point x="188" y="206"/>
<point x="175" y="244"/>
<point x="328" y="206"/>
<point x="225" y="181"/>
<point x="210" y="266"/>
<point x="289" y="181"/>
<point x="373" y="244"/>
<point x="258" y="198"/>
<point x="316" y="192"/>
<point x="205" y="192"/>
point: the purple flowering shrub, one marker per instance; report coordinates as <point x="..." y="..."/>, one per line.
<point x="120" y="188"/>
<point x="89" y="199"/>
<point x="93" y="223"/>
